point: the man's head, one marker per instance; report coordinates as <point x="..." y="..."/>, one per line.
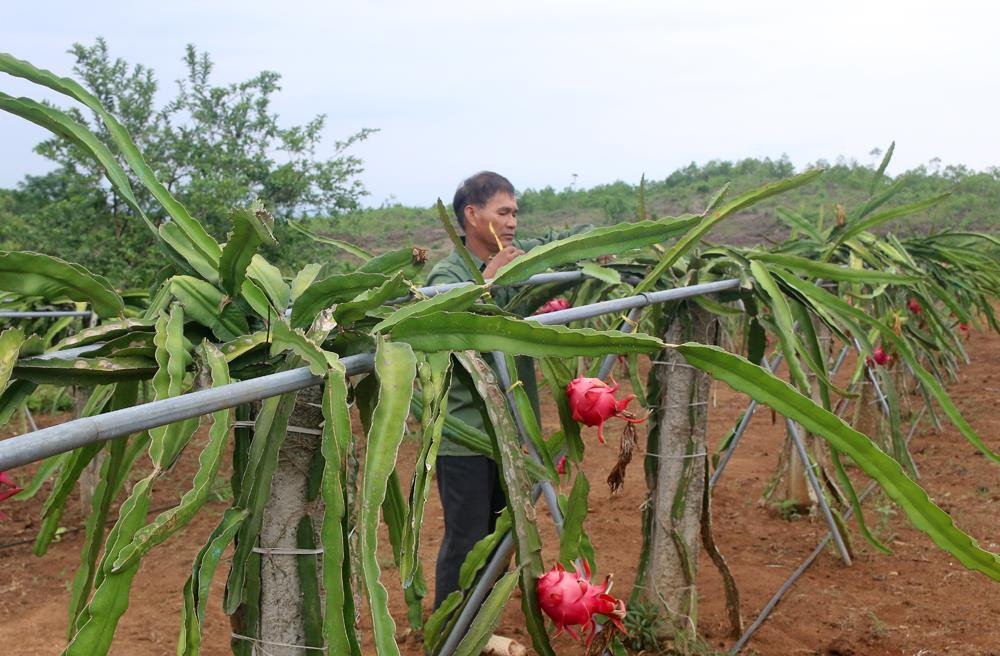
<point x="483" y="201"/>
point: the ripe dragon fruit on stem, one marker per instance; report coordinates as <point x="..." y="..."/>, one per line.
<point x="12" y="488"/>
<point x="593" y="402"/>
<point x="878" y="357"/>
<point x="553" y="305"/>
<point x="569" y="598"/>
<point x="914" y="306"/>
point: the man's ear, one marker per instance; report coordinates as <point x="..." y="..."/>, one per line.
<point x="471" y="216"/>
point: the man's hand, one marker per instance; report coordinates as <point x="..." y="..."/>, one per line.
<point x="505" y="256"/>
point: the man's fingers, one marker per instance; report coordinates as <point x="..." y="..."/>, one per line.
<point x="510" y="253"/>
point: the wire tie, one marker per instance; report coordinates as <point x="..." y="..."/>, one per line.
<point x="672" y="364"/>
<point x="684" y="457"/>
<point x="274" y="644"/>
<point x="303" y="430"/>
<point x="290" y="428"/>
<point x="287" y="551"/>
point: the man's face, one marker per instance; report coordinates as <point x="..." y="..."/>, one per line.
<point x="500" y="212"/>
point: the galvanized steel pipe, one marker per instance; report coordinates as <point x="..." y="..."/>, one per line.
<point x="30" y="447"/>
<point x="43" y="314"/>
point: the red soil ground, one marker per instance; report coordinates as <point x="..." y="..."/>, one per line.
<point x="918" y="601"/>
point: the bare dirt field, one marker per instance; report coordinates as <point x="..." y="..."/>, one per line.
<point x="917" y="601"/>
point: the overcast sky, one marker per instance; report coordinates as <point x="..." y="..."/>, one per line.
<point x="542" y="90"/>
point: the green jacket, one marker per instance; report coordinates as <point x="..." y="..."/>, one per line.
<point x="453" y="269"/>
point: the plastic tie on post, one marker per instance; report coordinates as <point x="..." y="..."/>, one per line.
<point x="286" y="551"/>
<point x="684" y="457"/>
<point x="290" y="428"/>
<point x="258" y="641"/>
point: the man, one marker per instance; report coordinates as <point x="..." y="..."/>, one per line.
<point x="469" y="484"/>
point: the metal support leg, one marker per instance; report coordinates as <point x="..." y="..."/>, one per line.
<point x="744" y="422"/>
<point x="871" y="377"/>
<point x="748" y="415"/>
<point x="800" y="446"/>
<point x="30" y="418"/>
<point x="609" y="360"/>
<point x="738" y="435"/>
<point x="878" y="392"/>
<point x="884" y="403"/>
<point x="551" y="499"/>
<point x="840" y="360"/>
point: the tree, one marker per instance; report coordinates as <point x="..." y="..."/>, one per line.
<point x="213" y="146"/>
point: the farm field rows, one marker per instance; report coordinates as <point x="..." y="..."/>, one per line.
<point x="918" y="601"/>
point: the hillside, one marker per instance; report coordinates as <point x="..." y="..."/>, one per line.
<point x="972" y="205"/>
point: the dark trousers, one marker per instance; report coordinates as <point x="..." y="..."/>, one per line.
<point x="472" y="498"/>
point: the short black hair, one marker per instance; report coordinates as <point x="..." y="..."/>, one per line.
<point x="478" y="190"/>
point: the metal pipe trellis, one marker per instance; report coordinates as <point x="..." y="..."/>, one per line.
<point x="42" y="314"/>
<point x="37" y="445"/>
<point x="65" y="437"/>
<point x="537" y="279"/>
<point x="40" y="444"/>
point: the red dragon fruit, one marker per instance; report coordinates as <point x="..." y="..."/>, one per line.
<point x="569" y="598"/>
<point x="593" y="403"/>
<point x="12" y="488"/>
<point x="553" y="305"/>
<point x="561" y="466"/>
<point x="914" y="306"/>
<point x="879" y="357"/>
